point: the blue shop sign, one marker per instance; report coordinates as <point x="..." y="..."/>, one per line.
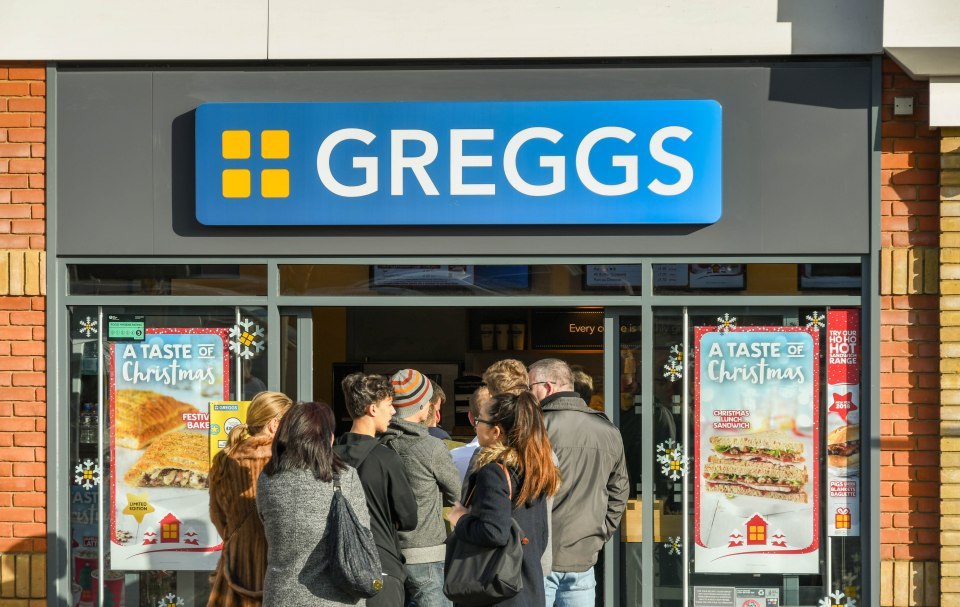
<point x="459" y="163"/>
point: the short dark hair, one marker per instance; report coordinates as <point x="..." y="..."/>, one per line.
<point x="360" y="390"/>
<point x="304" y="442"/>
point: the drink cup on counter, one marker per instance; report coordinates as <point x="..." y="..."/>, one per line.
<point x="518" y="333"/>
<point x="113" y="583"/>
<point x="84" y="564"/>
<point x="503" y="336"/>
<point x="486" y="337"/>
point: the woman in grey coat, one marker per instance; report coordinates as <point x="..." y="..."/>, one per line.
<point x="294" y="493"/>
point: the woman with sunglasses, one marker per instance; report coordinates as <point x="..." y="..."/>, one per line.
<point x="512" y="476"/>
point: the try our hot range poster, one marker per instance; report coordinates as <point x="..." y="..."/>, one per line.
<point x="160" y="448"/>
<point x="757" y="450"/>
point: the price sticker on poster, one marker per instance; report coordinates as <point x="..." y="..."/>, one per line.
<point x="756" y="443"/>
<point x="159" y="443"/>
<point x="843" y="422"/>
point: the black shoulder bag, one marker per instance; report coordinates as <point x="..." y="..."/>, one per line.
<point x="474" y="576"/>
<point x="352" y="556"/>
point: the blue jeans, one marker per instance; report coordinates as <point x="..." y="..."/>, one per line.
<point x="565" y="589"/>
<point x="429" y="578"/>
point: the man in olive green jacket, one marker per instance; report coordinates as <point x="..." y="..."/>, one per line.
<point x="593" y="495"/>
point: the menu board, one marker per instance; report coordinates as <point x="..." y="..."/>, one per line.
<point x="159" y="445"/>
<point x="756" y="433"/>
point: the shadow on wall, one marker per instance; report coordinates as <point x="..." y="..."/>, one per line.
<point x="822" y="27"/>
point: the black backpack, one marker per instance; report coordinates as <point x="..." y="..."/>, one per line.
<point x="352" y="557"/>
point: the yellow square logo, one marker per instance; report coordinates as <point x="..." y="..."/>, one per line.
<point x="275" y="183"/>
<point x="236" y="145"/>
<point x="275" y="144"/>
<point x="236" y="183"/>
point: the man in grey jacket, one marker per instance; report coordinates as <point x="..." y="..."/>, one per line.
<point x="594" y="490"/>
<point x="434" y="479"/>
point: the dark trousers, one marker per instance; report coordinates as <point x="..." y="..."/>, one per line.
<point x="391" y="595"/>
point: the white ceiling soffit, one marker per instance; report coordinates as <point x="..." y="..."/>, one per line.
<point x="923" y="36"/>
<point x="374" y="29"/>
<point x="107" y="30"/>
<point x="426" y="29"/>
<point x="944" y="102"/>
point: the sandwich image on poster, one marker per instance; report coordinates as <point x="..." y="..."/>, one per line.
<point x="768" y="464"/>
<point x="756" y="450"/>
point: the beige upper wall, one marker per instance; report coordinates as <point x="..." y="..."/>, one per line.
<point x="423" y="29"/>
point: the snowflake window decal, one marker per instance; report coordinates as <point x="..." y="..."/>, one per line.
<point x="834" y="600"/>
<point x="88" y="326"/>
<point x="673" y="545"/>
<point x="816" y="320"/>
<point x="171" y="600"/>
<point x="726" y="323"/>
<point x="87" y="474"/>
<point x="673" y="370"/>
<point x="672" y="462"/>
<point x="245" y="336"/>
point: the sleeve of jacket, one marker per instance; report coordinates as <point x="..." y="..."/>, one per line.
<point x="446" y="473"/>
<point x="491" y="512"/>
<point x="353" y="491"/>
<point x="618" y="490"/>
<point x="217" y="515"/>
<point x="403" y="504"/>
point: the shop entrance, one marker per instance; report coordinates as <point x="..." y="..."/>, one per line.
<point x="645" y="356"/>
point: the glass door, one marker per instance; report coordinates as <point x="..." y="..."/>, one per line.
<point x="142" y="382"/>
<point x="741" y="433"/>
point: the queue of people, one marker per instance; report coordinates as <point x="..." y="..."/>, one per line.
<point x="542" y="461"/>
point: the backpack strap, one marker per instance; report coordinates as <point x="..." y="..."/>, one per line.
<point x="336" y="481"/>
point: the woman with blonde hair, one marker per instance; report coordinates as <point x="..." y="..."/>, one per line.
<point x="238" y="578"/>
<point x="512" y="476"/>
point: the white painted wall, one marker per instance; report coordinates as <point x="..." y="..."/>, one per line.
<point x="417" y="29"/>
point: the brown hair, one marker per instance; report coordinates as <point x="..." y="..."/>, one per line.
<point x="507" y="375"/>
<point x="361" y="390"/>
<point x="263" y="408"/>
<point x="304" y="441"/>
<point x="527" y="447"/>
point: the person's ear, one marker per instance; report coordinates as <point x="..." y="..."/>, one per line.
<point x="471" y="418"/>
<point x="273" y="424"/>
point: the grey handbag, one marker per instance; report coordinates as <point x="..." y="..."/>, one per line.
<point x="352" y="556"/>
<point x="474" y="575"/>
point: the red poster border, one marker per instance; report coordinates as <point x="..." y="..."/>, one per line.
<point x="814" y="333"/>
<point x="113" y="390"/>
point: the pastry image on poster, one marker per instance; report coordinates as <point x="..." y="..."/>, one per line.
<point x="160" y="391"/>
<point x="756" y="450"/>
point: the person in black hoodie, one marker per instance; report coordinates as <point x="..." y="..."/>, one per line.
<point x="390" y="499"/>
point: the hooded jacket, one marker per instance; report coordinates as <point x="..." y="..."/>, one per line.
<point x="593" y="495"/>
<point x="233" y="510"/>
<point x="390" y="499"/>
<point x="432" y="475"/>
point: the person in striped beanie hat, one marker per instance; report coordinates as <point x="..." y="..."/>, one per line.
<point x="412" y="393"/>
<point x="435" y="482"/>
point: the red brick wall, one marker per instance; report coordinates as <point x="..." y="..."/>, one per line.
<point x="909" y="326"/>
<point x="22" y="332"/>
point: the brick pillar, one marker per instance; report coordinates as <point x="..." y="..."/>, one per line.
<point x="950" y="364"/>
<point x="909" y="349"/>
<point x="23" y="513"/>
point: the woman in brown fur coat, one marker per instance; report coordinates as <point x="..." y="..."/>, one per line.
<point x="238" y="579"/>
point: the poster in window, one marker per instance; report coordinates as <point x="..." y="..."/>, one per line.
<point x="843" y="422"/>
<point x="160" y="390"/>
<point x="756" y="450"/>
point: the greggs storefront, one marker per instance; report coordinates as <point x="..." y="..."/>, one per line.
<point x="701" y="239"/>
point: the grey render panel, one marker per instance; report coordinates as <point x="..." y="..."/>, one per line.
<point x="796" y="158"/>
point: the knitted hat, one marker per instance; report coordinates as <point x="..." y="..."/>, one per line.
<point x="411" y="392"/>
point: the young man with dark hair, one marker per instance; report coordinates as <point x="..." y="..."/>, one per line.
<point x="390" y="499"/>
